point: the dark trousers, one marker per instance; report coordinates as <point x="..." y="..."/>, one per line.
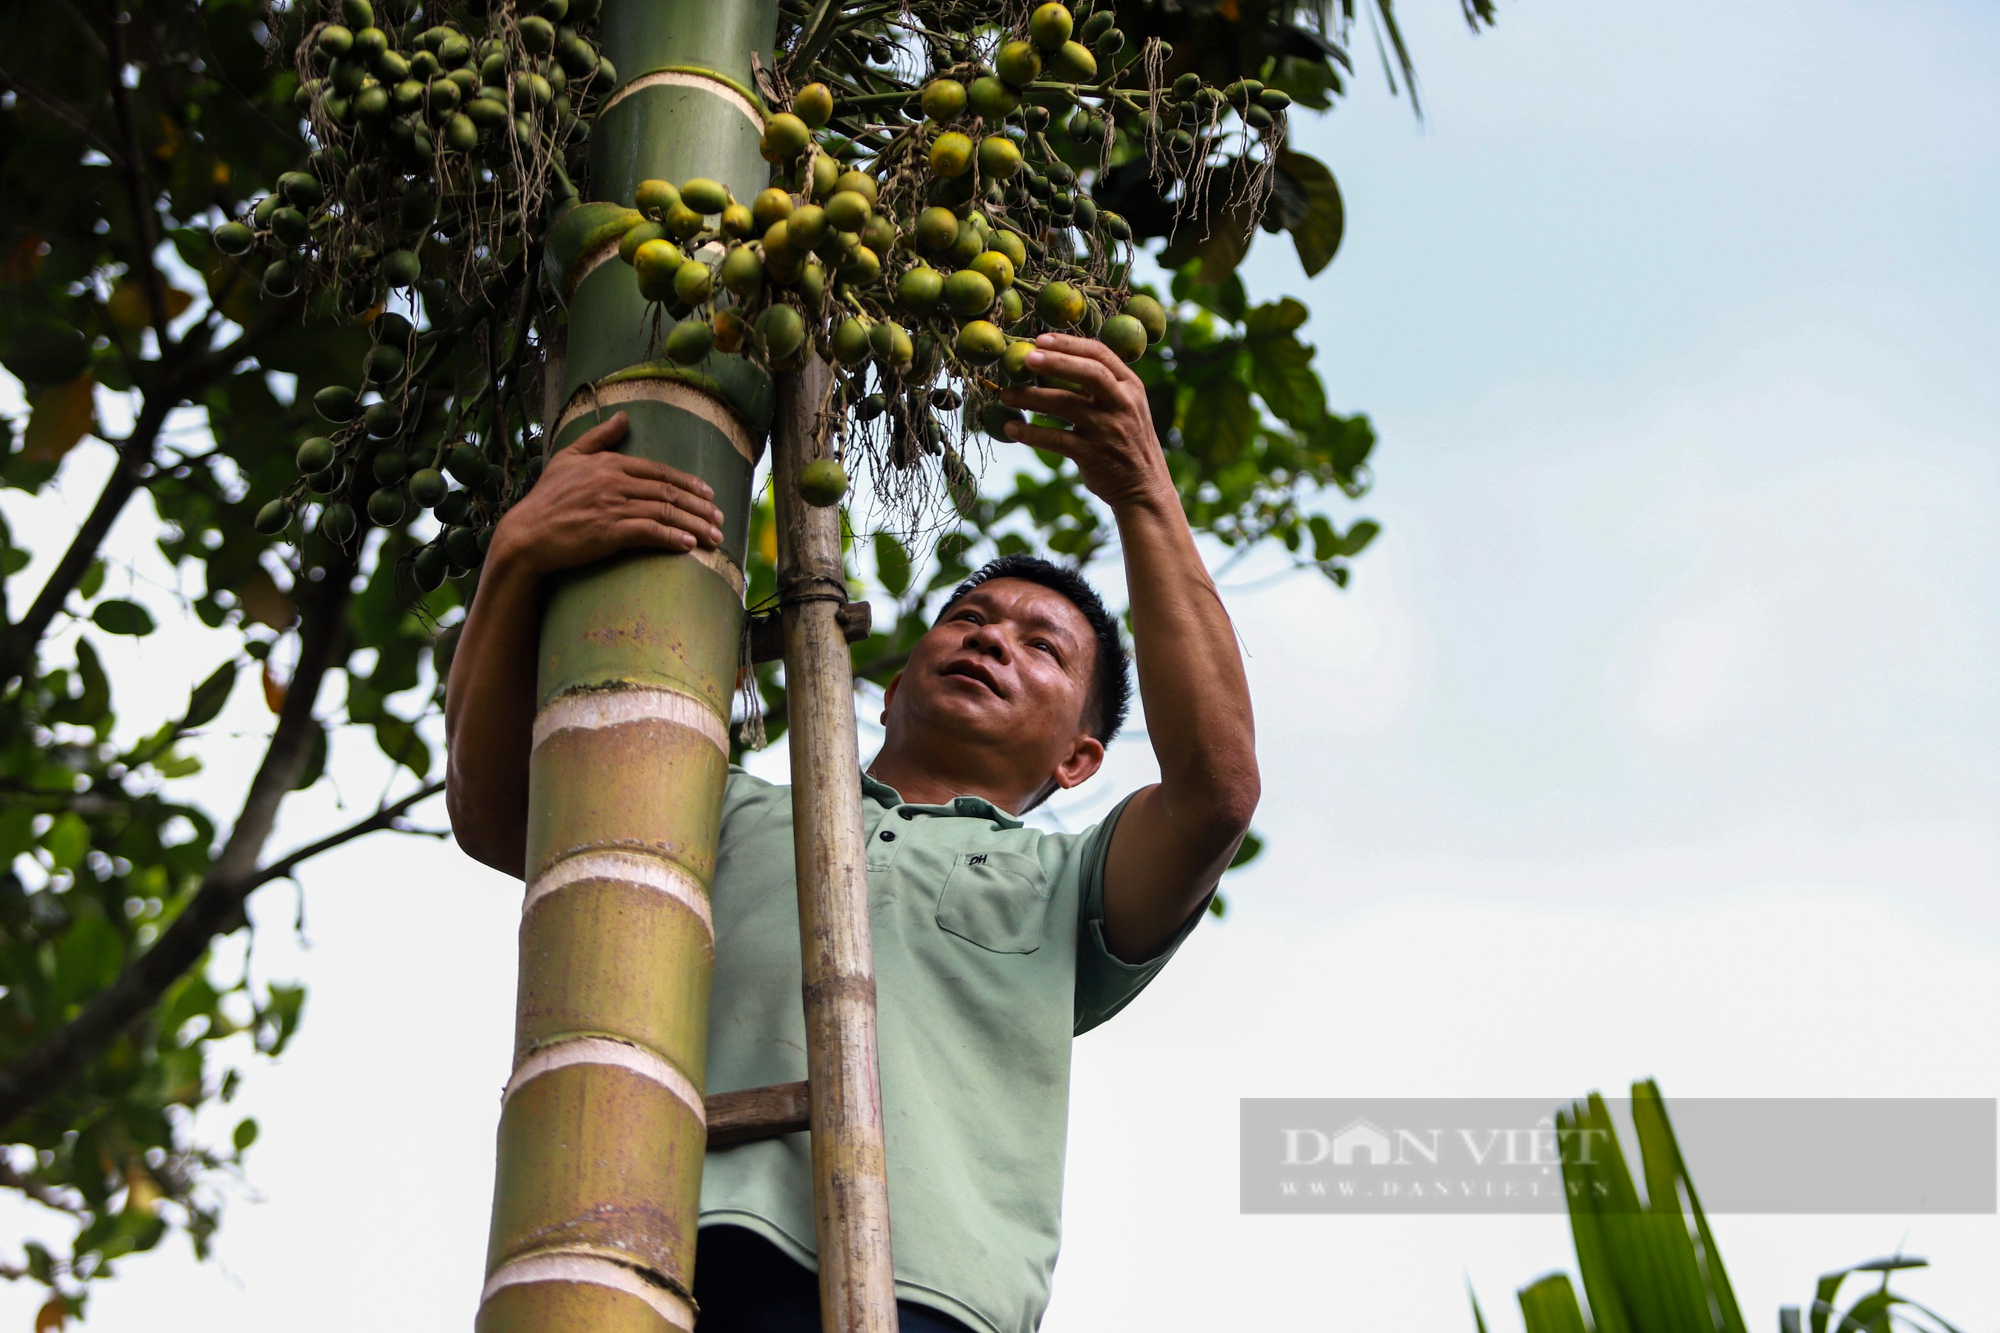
<point x="745" y="1284"/>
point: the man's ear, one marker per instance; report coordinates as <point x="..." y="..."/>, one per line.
<point x="889" y="696"/>
<point x="1085" y="757"/>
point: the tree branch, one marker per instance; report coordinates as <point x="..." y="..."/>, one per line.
<point x="217" y="906"/>
<point x="18" y="642"/>
<point x="145" y="223"/>
<point x="56" y="109"/>
<point x="384" y="818"/>
<point x="46" y="1195"/>
<point x="18" y="650"/>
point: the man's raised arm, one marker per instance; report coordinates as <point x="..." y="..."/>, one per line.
<point x="591" y="503"/>
<point x="1176" y="838"/>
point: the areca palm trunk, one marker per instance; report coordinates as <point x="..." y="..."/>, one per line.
<point x="602" y="1132"/>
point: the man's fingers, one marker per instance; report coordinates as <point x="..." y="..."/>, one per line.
<point x="628" y="533"/>
<point x="601" y="436"/>
<point x="695" y="507"/>
<point x="1099" y="384"/>
<point x="1043" y="437"/>
<point x="673" y="476"/>
<point x="675" y="514"/>
<point x="1089" y="349"/>
<point x="1049" y="402"/>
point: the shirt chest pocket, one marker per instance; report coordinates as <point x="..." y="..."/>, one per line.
<point x="997" y="900"/>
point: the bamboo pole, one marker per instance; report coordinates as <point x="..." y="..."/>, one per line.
<point x="602" y="1135"/>
<point x="850" y="1184"/>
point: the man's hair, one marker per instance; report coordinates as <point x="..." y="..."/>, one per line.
<point x="1111" y="680"/>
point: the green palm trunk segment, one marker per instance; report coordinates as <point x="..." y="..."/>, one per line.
<point x="601" y="1132"/>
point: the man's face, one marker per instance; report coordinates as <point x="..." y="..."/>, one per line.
<point x="1010" y="665"/>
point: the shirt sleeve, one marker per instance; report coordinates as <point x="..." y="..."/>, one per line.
<point x="1106" y="983"/>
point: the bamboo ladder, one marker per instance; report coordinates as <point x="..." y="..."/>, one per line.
<point x="603" y="1124"/>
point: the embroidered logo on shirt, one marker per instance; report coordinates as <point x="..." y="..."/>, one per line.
<point x="978" y="860"/>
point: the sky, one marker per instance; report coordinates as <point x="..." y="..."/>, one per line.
<point x="1658" y="735"/>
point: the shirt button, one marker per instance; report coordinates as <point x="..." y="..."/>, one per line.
<point x="888" y="835"/>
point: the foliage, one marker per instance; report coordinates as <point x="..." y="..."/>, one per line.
<point x="128" y="135"/>
<point x="1650" y="1264"/>
<point x="443" y="131"/>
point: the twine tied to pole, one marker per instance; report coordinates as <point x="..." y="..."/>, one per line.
<point x="796" y="587"/>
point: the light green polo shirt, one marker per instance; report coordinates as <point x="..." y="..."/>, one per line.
<point x="989" y="958"/>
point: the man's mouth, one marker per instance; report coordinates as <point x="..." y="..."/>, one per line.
<point x="975" y="671"/>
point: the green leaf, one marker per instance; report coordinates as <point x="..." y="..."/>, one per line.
<point x="1317" y="237"/>
<point x="1894" y="1263"/>
<point x="278" y="1021"/>
<point x="1274" y="319"/>
<point x="92" y="581"/>
<point x="245" y="1133"/>
<point x="1310" y="82"/>
<point x="1251" y="848"/>
<point x="400" y="742"/>
<point x="62" y="416"/>
<point x="1281" y="372"/>
<point x="92" y="703"/>
<point x="1687" y="1285"/>
<point x="1326" y="541"/>
<point x="17" y="831"/>
<point x="1870" y="1314"/>
<point x="44" y="351"/>
<point x="88" y="956"/>
<point x="1219" y="421"/>
<point x="1359" y="535"/>
<point x="892" y="564"/>
<point x="1823" y="1297"/>
<point x="1602" y="1204"/>
<point x="1343" y="443"/>
<point x="1227" y="297"/>
<point x="1549" y="1306"/>
<point x="176" y="765"/>
<point x="67" y="840"/>
<point x="117" y="616"/>
<point x="206" y="699"/>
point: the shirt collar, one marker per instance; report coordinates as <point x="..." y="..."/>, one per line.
<point x="972" y="807"/>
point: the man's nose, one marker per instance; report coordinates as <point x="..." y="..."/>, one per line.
<point x="987" y="637"/>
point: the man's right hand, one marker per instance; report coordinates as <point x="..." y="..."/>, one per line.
<point x="592" y="503"/>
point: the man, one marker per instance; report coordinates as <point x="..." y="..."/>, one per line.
<point x="994" y="943"/>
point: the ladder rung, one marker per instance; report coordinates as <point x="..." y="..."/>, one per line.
<point x="757" y="1113"/>
<point x="767" y="630"/>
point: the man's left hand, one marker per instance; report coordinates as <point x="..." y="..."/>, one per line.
<point x="1111" y="438"/>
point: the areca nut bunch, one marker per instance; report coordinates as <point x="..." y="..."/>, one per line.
<point x="439" y="130"/>
<point x="921" y="256"/>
